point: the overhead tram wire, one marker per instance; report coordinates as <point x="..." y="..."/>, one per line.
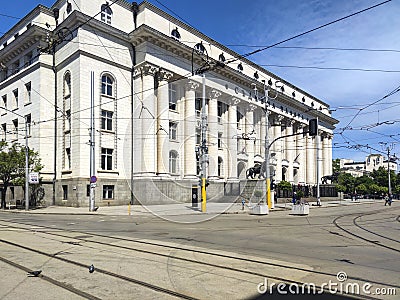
<point x="396" y="90"/>
<point x="332" y="68"/>
<point x="306" y="32"/>
<point x="318" y="48"/>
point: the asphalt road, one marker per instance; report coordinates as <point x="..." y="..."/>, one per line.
<point x="360" y="242"/>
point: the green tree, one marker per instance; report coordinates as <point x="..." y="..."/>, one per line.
<point x="347" y="180"/>
<point x="380" y="177"/>
<point x="336" y="165"/>
<point x="284" y="185"/>
<point x="361" y="189"/>
<point x="12" y="166"/>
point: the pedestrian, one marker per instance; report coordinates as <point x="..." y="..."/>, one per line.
<point x="388" y="199"/>
<point x="243" y="202"/>
<point x="294" y="198"/>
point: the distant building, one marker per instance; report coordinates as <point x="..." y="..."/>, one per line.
<point x="372" y="162"/>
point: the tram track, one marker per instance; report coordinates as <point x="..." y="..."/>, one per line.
<point x="85" y="266"/>
<point x="260" y="263"/>
<point x="354" y="219"/>
<point x="257" y="264"/>
<point x="51" y="280"/>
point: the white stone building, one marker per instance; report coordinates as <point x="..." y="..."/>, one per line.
<point x="146" y="106"/>
<point x="372" y="162"/>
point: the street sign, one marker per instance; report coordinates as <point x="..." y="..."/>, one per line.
<point x="93" y="179"/>
<point x="34" y="178"/>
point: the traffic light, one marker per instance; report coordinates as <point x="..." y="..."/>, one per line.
<point x="313" y="127"/>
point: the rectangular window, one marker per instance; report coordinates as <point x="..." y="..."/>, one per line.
<point x="106" y="159"/>
<point x="239" y="118"/>
<point x="88" y="190"/>
<point x="65" y="192"/>
<point x="219" y="140"/>
<point x="28" y="88"/>
<point x="28" y="123"/>
<point x="68" y="120"/>
<point x="219" y="112"/>
<point x="68" y="157"/>
<point x="173" y="96"/>
<point x="172" y="131"/>
<point x="15" y="123"/>
<point x="15" y="93"/>
<point x="4" y="131"/>
<point x="108" y="192"/>
<point x="106" y="120"/>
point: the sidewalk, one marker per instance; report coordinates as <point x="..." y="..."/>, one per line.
<point x="178" y="209"/>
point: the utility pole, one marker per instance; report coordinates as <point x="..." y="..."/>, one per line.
<point x="267" y="170"/>
<point x="202" y="52"/>
<point x="204" y="148"/>
<point x="389" y="147"/>
<point x="26" y="165"/>
<point x="92" y="144"/>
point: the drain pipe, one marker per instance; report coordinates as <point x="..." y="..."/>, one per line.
<point x="135" y="9"/>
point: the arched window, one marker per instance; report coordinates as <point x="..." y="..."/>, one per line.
<point x="173" y="162"/>
<point x="220" y="166"/>
<point x="107" y="84"/>
<point x="67" y="84"/>
<point x="106" y="13"/>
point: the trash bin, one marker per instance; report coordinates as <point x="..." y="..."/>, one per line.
<point x="195" y="196"/>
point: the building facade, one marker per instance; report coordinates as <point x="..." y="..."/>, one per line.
<point x="372" y="162"/>
<point x="136" y="62"/>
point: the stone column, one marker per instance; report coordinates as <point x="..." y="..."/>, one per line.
<point x="232" y="140"/>
<point x="311" y="160"/>
<point x="277" y="146"/>
<point x="330" y="171"/>
<point x="301" y="153"/>
<point x="213" y="135"/>
<point x="137" y="125"/>
<point x="262" y="134"/>
<point x="149" y="123"/>
<point x="290" y="149"/>
<point x="163" y="123"/>
<point x="189" y="161"/>
<point x="249" y="129"/>
<point x="326" y="162"/>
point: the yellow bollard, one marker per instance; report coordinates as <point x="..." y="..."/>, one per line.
<point x="203" y="195"/>
<point x="268" y="195"/>
<point x="129" y="209"/>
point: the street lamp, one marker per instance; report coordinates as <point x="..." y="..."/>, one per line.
<point x="26" y="157"/>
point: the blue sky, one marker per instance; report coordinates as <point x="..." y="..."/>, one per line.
<point x="241" y="25"/>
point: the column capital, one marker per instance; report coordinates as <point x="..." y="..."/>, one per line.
<point x="146" y="68"/>
<point x="252" y="107"/>
<point x="214" y="94"/>
<point x="164" y="75"/>
<point x="192" y="85"/>
<point x="277" y="119"/>
<point x="300" y="125"/>
<point x="234" y="101"/>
